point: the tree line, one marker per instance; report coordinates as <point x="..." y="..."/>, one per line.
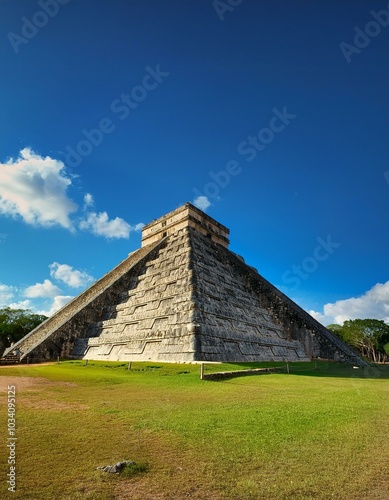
<point x="15" y="324"/>
<point x="370" y="337"/>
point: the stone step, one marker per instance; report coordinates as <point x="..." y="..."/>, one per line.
<point x="10" y="359"/>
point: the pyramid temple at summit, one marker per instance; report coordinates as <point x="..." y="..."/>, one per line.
<point x="183" y="297"/>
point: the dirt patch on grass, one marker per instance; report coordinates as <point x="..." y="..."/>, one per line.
<point x="28" y="383"/>
<point x="50" y="404"/>
<point x="144" y="489"/>
<point x="30" y="364"/>
<point x="34" y="393"/>
<point x="181" y="477"/>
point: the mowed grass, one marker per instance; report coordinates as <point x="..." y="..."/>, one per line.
<point x="318" y="434"/>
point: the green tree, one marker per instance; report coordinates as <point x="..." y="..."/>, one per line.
<point x="369" y="336"/>
<point x="15" y="324"/>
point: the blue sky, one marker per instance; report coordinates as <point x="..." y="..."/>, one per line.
<point x="272" y="115"/>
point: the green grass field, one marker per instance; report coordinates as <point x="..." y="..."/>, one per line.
<point x="319" y="434"/>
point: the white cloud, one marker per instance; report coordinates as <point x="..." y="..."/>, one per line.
<point x="69" y="276"/>
<point x="34" y="188"/>
<point x="6" y="294"/>
<point x="202" y="203"/>
<point x="22" y="304"/>
<point x="100" y="225"/>
<point x="88" y="200"/>
<point x="372" y="304"/>
<point x="58" y="302"/>
<point x="42" y="290"/>
<point x="138" y="227"/>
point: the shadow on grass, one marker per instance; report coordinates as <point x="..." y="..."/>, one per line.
<point x="343" y="370"/>
<point x="311" y="369"/>
<point x="316" y="368"/>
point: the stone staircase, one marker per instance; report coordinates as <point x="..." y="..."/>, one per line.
<point x="32" y="340"/>
<point x="10" y="359"/>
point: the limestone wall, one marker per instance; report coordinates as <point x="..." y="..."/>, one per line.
<point x="152" y="321"/>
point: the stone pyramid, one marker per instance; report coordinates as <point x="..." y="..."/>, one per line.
<point x="183" y="297"/>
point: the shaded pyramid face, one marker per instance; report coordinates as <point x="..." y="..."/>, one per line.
<point x="232" y="324"/>
<point x="183" y="297"/>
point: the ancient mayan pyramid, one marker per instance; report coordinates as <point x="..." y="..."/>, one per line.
<point x="183" y="297"/>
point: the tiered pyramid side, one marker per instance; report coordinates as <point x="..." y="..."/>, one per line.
<point x="57" y="335"/>
<point x="153" y="318"/>
<point x="240" y="316"/>
<point x="232" y="325"/>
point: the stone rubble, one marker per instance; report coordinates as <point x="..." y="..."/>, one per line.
<point x="116" y="468"/>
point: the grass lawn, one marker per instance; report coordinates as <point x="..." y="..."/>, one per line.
<point x="319" y="434"/>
